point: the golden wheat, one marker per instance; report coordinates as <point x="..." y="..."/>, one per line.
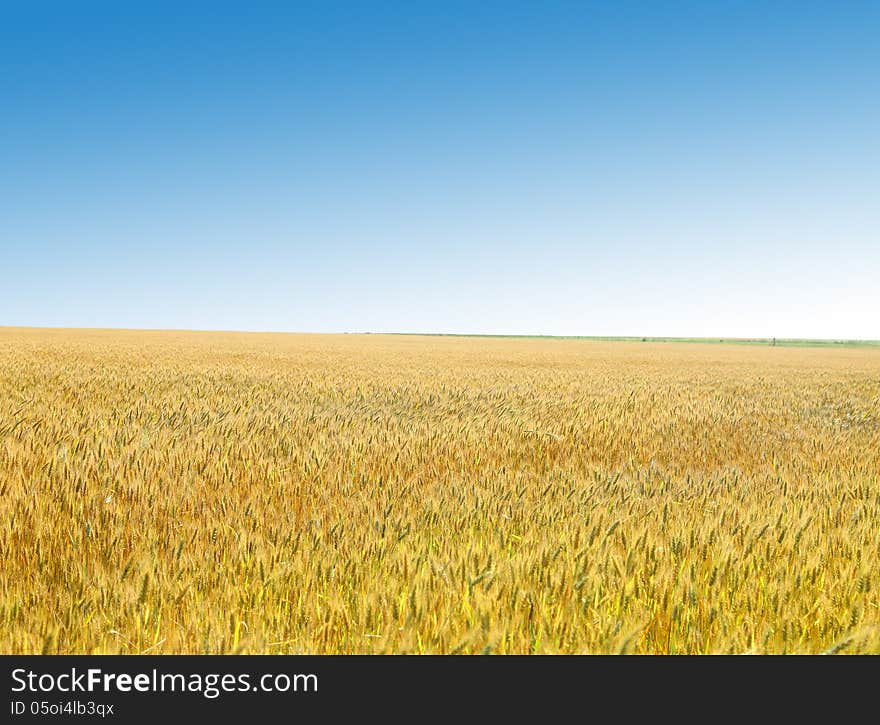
<point x="218" y="492"/>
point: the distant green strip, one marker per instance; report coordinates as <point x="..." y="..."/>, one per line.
<point x="769" y="342"/>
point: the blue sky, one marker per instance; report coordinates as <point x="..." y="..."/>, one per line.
<point x="614" y="168"/>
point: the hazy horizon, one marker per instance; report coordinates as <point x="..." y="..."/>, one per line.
<point x="416" y="333"/>
<point x="699" y="170"/>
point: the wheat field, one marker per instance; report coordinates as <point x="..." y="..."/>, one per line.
<point x="182" y="492"/>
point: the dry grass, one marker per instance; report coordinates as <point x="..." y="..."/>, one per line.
<point x="213" y="492"/>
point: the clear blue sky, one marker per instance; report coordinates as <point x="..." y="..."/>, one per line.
<point x="613" y="168"/>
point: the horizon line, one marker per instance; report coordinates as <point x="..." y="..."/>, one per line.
<point x="706" y="339"/>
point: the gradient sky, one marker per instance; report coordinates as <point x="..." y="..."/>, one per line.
<point x="613" y="168"/>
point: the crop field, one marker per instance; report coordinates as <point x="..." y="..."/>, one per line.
<point x="184" y="492"/>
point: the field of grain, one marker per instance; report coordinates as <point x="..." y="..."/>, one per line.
<point x="175" y="492"/>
